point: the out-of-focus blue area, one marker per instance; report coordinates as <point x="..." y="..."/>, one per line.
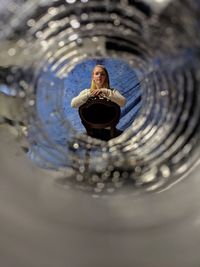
<point x="7" y="90"/>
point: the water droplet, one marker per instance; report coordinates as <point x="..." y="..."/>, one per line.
<point x="75" y="145"/>
<point x="165" y="171"/>
<point x="70" y="1"/>
<point x="75" y="23"/>
<point x="31" y="23"/>
<point x="11" y="52"/>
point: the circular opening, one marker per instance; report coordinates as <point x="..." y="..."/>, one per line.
<point x="152" y="60"/>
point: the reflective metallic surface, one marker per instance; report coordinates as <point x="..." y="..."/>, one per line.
<point x="78" y="201"/>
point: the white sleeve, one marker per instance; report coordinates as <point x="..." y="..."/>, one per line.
<point x="116" y="97"/>
<point x="80" y="99"/>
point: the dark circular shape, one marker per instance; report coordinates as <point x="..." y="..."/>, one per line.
<point x="99" y="113"/>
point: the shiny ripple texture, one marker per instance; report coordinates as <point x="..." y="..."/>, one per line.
<point x="43" y="42"/>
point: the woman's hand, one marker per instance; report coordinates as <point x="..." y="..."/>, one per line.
<point x="100" y="92"/>
<point x="95" y="92"/>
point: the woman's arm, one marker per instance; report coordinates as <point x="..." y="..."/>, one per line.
<point x="80" y="99"/>
<point x="113" y="95"/>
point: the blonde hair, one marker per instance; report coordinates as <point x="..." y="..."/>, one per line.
<point x="106" y="83"/>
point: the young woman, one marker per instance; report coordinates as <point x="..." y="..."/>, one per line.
<point x="99" y="87"/>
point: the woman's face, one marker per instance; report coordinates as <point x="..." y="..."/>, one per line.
<point x="99" y="76"/>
